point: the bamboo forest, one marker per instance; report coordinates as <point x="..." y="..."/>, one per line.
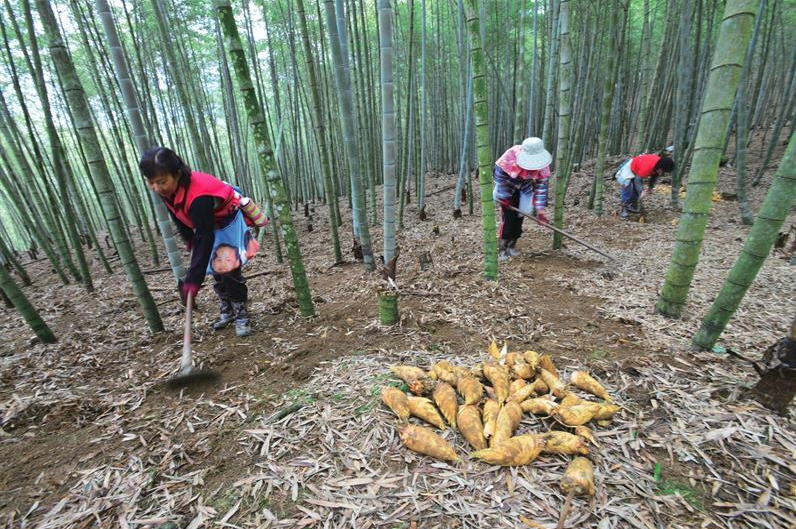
<point x="401" y="264"/>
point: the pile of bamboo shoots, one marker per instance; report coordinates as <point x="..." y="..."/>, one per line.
<point x="487" y="402"/>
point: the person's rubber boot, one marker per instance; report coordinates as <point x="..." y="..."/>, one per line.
<point x="623" y="213"/>
<point x="242" y="324"/>
<point x="503" y="251"/>
<point x="511" y="248"/>
<point x="225" y="317"/>
<point x="632" y="207"/>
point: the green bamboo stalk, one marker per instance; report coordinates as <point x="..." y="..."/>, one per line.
<point x="646" y="69"/>
<point x="725" y="72"/>
<point x="482" y="141"/>
<point x="142" y="141"/>
<point x="6" y="252"/>
<point x="59" y="228"/>
<point x="32" y="200"/>
<point x="681" y="97"/>
<point x="387" y="127"/>
<point x="741" y="136"/>
<point x="605" y="113"/>
<point x="550" y="92"/>
<point x="421" y="183"/>
<point x="266" y="154"/>
<point x="761" y="239"/>
<point x="24" y="307"/>
<point x="519" y="99"/>
<point x="76" y="100"/>
<point x="175" y="67"/>
<point x="61" y="169"/>
<point x="320" y="133"/>
<point x="564" y="109"/>
<point x="410" y="119"/>
<point x="410" y="137"/>
<point x="464" y="165"/>
<point x="345" y="101"/>
<point x="532" y="93"/>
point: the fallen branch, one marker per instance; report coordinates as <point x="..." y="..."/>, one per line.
<point x="156" y="270"/>
<point x="438" y="191"/>
<point x="287" y="410"/>
<point x="258" y="274"/>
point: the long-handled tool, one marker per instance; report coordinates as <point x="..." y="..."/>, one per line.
<point x="188" y="375"/>
<point x="562" y="232"/>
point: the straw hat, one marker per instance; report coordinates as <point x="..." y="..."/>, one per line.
<point x="533" y="155"/>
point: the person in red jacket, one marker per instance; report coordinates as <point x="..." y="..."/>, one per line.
<point x="200" y="204"/>
<point x="631" y="175"/>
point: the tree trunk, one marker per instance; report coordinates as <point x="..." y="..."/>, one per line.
<point x="387" y="128"/>
<point x="11" y="258"/>
<point x="530" y="131"/>
<point x="464" y="165"/>
<point x="142" y="142"/>
<point x="562" y="147"/>
<point x="761" y="239"/>
<point x="741" y="136"/>
<point x="728" y="58"/>
<point x="77" y="102"/>
<point x="482" y="141"/>
<point x="320" y="133"/>
<point x="777" y="385"/>
<point x="605" y="113"/>
<point x="24" y="307"/>
<point x="550" y="91"/>
<point x="646" y="69"/>
<point x="421" y="182"/>
<point x="266" y="154"/>
<point x="352" y="152"/>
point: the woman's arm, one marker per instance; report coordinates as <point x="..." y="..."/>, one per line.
<point x="540" y="189"/>
<point x="201" y="214"/>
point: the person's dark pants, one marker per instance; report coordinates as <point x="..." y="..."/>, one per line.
<point x="511" y="222"/>
<point x="233" y="293"/>
<point x="231" y="287"/>
<point x="631" y="192"/>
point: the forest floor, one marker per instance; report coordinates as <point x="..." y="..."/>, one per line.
<point x="91" y="437"/>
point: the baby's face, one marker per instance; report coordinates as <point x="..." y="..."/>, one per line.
<point x="225" y="260"/>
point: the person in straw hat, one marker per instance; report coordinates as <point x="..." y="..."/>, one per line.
<point x="521" y="175"/>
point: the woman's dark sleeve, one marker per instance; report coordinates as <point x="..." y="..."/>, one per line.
<point x="201" y="214"/>
<point x="186" y="233"/>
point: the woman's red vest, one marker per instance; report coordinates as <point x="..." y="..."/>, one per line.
<point x="202" y="184"/>
<point x="644" y="165"/>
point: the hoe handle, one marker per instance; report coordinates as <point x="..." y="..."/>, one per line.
<point x="185" y="364"/>
<point x="562" y="232"/>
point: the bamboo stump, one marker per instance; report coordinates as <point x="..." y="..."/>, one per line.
<point x="388" y="308"/>
<point x="777" y="385"/>
<point x="424" y="260"/>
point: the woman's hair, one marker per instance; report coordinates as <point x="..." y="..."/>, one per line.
<point x="666" y="164"/>
<point x="162" y="160"/>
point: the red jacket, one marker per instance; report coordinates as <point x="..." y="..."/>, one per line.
<point x="644" y="165"/>
<point x="202" y="184"/>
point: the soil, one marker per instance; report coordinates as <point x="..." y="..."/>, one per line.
<point x="98" y="397"/>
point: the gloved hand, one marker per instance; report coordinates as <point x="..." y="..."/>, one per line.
<point x="541" y="216"/>
<point x="506" y="202"/>
<point x="187" y="288"/>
